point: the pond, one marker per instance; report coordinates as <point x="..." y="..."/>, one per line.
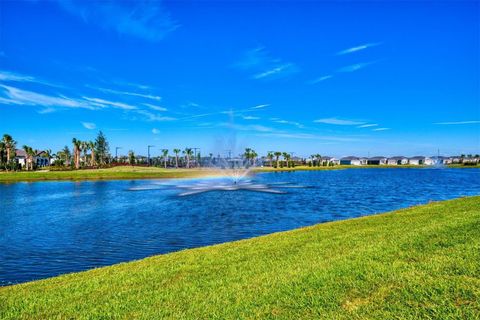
<point x="52" y="228"/>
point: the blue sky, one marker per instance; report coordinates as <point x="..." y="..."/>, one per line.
<point x="335" y="78"/>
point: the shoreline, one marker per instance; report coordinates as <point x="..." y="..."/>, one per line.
<point x="144" y="173"/>
<point x="245" y="278"/>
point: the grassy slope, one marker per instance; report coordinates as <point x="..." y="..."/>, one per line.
<point x="421" y="262"/>
<point x="151" y="173"/>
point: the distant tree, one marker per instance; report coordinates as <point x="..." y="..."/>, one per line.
<point x="77" y="144"/>
<point x="270" y="158"/>
<point x="165" y="156"/>
<point x="277" y="155"/>
<point x="48" y="155"/>
<point x="67" y="155"/>
<point x="9" y="145"/>
<point x="92" y="146"/>
<point x="188" y="152"/>
<point x="131" y="157"/>
<point x="176" y="151"/>
<point x="101" y="148"/>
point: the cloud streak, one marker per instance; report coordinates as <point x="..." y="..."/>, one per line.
<point x="263" y="66"/>
<point x="89" y="125"/>
<point x="358" y="48"/>
<point x="340" y="122"/>
<point x="127" y="93"/>
<point x="355" y="67"/>
<point x="458" y="122"/>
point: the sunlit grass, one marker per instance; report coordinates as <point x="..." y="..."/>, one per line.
<point x="417" y="263"/>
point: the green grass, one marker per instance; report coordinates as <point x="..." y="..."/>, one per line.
<point x="114" y="173"/>
<point x="417" y="263"/>
<point x="127" y="172"/>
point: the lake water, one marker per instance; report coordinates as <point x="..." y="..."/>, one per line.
<point x="51" y="228"/>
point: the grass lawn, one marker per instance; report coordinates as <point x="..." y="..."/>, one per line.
<point x="421" y="262"/>
<point x="127" y="172"/>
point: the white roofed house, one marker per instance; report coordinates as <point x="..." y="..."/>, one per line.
<point x="330" y="160"/>
<point x="397" y="160"/>
<point x="351" y="161"/>
<point x="420" y="160"/>
<point x="21" y="157"/>
<point x="379" y="160"/>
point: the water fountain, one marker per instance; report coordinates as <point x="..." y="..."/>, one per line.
<point x="229" y="175"/>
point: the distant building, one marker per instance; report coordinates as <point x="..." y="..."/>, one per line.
<point x="420" y="160"/>
<point x="351" y="161"/>
<point x="331" y="160"/>
<point x="378" y="160"/>
<point x="397" y="160"/>
<point x="438" y="160"/>
<point x="39" y="160"/>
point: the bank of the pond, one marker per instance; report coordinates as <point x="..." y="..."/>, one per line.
<point x="420" y="262"/>
<point x="133" y="172"/>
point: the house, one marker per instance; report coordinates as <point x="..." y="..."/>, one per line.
<point x="378" y="160"/>
<point x="420" y="160"/>
<point x="39" y="160"/>
<point x="439" y="160"/>
<point x="397" y="160"/>
<point x="351" y="161"/>
<point x="330" y="160"/>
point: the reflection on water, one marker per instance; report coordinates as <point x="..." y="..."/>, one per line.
<point x="50" y="228"/>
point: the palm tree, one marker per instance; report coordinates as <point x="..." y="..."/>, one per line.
<point x="29" y="154"/>
<point x="176" y="151"/>
<point x="76" y="152"/>
<point x="253" y="156"/>
<point x="91" y="145"/>
<point x="286" y="157"/>
<point x="84" y="147"/>
<point x="277" y="155"/>
<point x="66" y="153"/>
<point x="270" y="158"/>
<point x="9" y="145"/>
<point x="319" y="159"/>
<point x="188" y="152"/>
<point x="165" y="156"/>
<point x="2" y="152"/>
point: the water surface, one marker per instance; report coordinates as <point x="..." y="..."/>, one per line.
<point x="51" y="228"/>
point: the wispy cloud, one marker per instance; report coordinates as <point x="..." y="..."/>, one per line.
<point x="283" y="70"/>
<point x="281" y="121"/>
<point x="340" y="122"/>
<point x="358" y="48"/>
<point x="250" y="118"/>
<point x="89" y="125"/>
<point x="380" y="129"/>
<point x="103" y="103"/>
<point x="355" y="67"/>
<point x="149" y="116"/>
<point x="155" y="131"/>
<point x="320" y="79"/>
<point x="155" y="107"/>
<point x="127" y="93"/>
<point x="143" y="19"/>
<point x="15" y="77"/>
<point x="263" y="66"/>
<point x="458" y="122"/>
<point x="260" y="106"/>
<point x="368" y="125"/>
<point x="12" y="95"/>
<point x="8" y="76"/>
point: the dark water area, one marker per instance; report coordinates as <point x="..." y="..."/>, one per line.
<point x="52" y="228"/>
